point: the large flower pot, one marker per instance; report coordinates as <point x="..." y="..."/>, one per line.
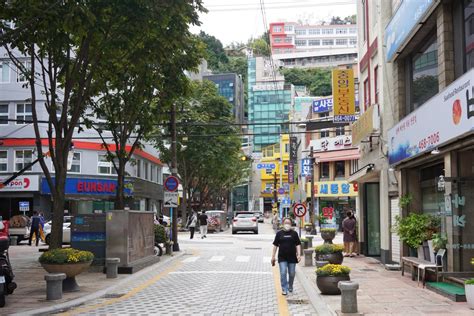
<point x="328" y="284"/>
<point x="71" y="270"/>
<point x="332" y="258"/>
<point x="469" y="288"/>
<point x="328" y="236"/>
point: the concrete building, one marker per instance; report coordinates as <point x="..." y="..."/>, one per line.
<point x="296" y="45"/>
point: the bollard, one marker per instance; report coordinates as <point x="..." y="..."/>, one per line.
<point x="320" y="264"/>
<point x="348" y="296"/>
<point x="308" y="257"/>
<point x="54" y="286"/>
<point x="13" y="240"/>
<point x="310" y="241"/>
<point x="112" y="267"/>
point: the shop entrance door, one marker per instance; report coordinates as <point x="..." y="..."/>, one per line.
<point x="372" y="219"/>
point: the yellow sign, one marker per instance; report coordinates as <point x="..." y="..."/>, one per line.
<point x="363" y="126"/>
<point x="343" y="92"/>
<point x="333" y="189"/>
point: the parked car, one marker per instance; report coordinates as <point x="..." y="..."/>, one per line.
<point x="244" y="221"/>
<point x="20" y="227"/>
<point x="66" y="230"/>
<point x="216" y="220"/>
<point x="259" y="216"/>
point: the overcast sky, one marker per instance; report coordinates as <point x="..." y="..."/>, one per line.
<point x="238" y="20"/>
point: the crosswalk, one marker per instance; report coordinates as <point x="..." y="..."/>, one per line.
<point x="240" y="259"/>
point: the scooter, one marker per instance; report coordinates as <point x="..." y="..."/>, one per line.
<point x="7" y="286"/>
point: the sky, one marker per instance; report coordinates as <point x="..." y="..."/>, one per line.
<point x="239" y="20"/>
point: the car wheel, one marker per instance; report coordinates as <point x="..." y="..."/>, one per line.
<point x="234" y="232"/>
<point x="47" y="239"/>
<point x="255" y="232"/>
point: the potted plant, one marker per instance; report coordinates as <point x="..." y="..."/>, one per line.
<point x="469" y="289"/>
<point x="329" y="252"/>
<point x="69" y="261"/>
<point x="328" y="234"/>
<point x="308" y="227"/>
<point x="168" y="247"/>
<point x="329" y="276"/>
<point x="439" y="241"/>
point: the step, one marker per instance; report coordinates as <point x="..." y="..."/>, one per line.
<point x="452" y="291"/>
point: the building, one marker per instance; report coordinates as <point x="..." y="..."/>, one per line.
<point x="91" y="181"/>
<point x="231" y="86"/>
<point x="297" y="45"/>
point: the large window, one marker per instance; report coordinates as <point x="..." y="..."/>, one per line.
<point x="300" y="42"/>
<point x="105" y="166"/>
<point x="314" y="42"/>
<point x="300" y="32"/>
<point x="4" y="72"/>
<point x="327" y="31"/>
<point x="24" y="113"/>
<point x="3" y="160"/>
<point x="76" y="163"/>
<point x="3" y="114"/>
<point x="340" y="169"/>
<point x="341" y="41"/>
<point x="20" y="76"/>
<point x="341" y="31"/>
<point x="324" y="170"/>
<point x="314" y="31"/>
<point x="145" y="170"/>
<point x="23" y="158"/>
<point x="327" y="42"/>
<point x="288" y="28"/>
<point x="277" y="40"/>
<point x="277" y="28"/>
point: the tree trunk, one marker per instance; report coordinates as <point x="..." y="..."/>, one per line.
<point x="184" y="203"/>
<point x="119" y="203"/>
<point x="57" y="220"/>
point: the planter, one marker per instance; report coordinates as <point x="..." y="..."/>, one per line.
<point x="308" y="228"/>
<point x="332" y="258"/>
<point x="328" y="236"/>
<point x="328" y="284"/>
<point x="71" y="270"/>
<point x="469" y="288"/>
<point x="305" y="244"/>
<point x="169" y="249"/>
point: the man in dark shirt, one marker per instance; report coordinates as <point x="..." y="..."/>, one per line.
<point x="203" y="224"/>
<point x="35" y="227"/>
<point x="288" y="244"/>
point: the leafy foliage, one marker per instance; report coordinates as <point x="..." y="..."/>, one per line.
<point x="350" y="19"/>
<point x="333" y="270"/>
<point x="329" y="248"/>
<point x="415" y="228"/>
<point x="65" y="256"/>
<point x="405" y="200"/>
<point x="215" y="54"/>
<point x="160" y="234"/>
<point x="316" y="80"/>
<point x="439" y="241"/>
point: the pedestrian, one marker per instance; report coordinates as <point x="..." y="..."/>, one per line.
<point x="288" y="244"/>
<point x="192" y="224"/>
<point x="349" y="234"/>
<point x="35" y="228"/>
<point x="203" y="224"/>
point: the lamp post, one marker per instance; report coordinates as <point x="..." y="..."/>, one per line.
<point x="174" y="172"/>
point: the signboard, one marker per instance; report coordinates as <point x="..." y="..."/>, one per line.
<point x="343" y="92"/>
<point x="445" y="117"/>
<point x="299" y="210"/>
<point x="306" y="167"/>
<point x="170" y="199"/>
<point x="328" y="217"/>
<point x="322" y="105"/>
<point x="269" y="86"/>
<point x="281" y="191"/>
<point x="364" y="126"/>
<point x="403" y="23"/>
<point x="87" y="186"/>
<point x="268" y="166"/>
<point x="21" y="184"/>
<point x="285" y="202"/>
<point x="291" y="172"/>
<point x="334" y="189"/>
<point x="171" y="184"/>
<point x="332" y="143"/>
<point x="293" y="149"/>
<point x="24" y="206"/>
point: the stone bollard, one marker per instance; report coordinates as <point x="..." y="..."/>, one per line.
<point x="308" y="257"/>
<point x="320" y="264"/>
<point x="348" y="296"/>
<point x="112" y="267"/>
<point x="13" y="240"/>
<point x="54" y="286"/>
<point x="310" y="241"/>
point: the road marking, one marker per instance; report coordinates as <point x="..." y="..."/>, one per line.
<point x="190" y="259"/>
<point x="242" y="259"/>
<point x="281" y="300"/>
<point x="216" y="258"/>
<point x="267" y="260"/>
<point x="220" y="272"/>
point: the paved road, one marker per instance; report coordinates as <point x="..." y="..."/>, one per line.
<point x="222" y="275"/>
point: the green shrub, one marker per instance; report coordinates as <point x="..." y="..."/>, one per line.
<point x="333" y="270"/>
<point x="304" y="239"/>
<point x="416" y="228"/>
<point x="160" y="234"/>
<point x="439" y="241"/>
<point x="329" y="248"/>
<point x="328" y="230"/>
<point x="66" y="255"/>
<point x="469" y="282"/>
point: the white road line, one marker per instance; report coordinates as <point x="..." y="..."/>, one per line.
<point x="216" y="258"/>
<point x="242" y="258"/>
<point x="266" y="259"/>
<point x="220" y="272"/>
<point x="191" y="259"/>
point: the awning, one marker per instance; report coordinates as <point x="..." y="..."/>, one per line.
<point x="362" y="173"/>
<point x="336" y="155"/>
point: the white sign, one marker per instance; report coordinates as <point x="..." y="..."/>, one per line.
<point x="332" y="143"/>
<point x="171" y="199"/>
<point x="445" y="117"/>
<point x="306" y="167"/>
<point x="24" y="206"/>
<point x="21" y="184"/>
<point x="268" y="86"/>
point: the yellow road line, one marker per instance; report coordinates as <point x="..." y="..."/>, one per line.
<point x="132" y="292"/>
<point x="281" y="300"/>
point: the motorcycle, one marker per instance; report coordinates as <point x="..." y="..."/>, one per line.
<point x="7" y="286"/>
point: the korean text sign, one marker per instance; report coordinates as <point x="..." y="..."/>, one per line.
<point x="335" y="189"/>
<point x="343" y="95"/>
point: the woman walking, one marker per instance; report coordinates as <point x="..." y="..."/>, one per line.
<point x="288" y="244"/>
<point x="350" y="236"/>
<point x="192" y="224"/>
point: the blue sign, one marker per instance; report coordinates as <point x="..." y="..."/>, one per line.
<point x="171" y="183"/>
<point x="344" y="118"/>
<point x="408" y="15"/>
<point x="268" y="166"/>
<point x="306" y="167"/>
<point x="87" y="186"/>
<point x="24" y="206"/>
<point x="322" y="105"/>
<point x="281" y="191"/>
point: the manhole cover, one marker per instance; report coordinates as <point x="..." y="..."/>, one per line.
<point x="297" y="301"/>
<point x="113" y="295"/>
<point x="367" y="270"/>
<point x="250" y="248"/>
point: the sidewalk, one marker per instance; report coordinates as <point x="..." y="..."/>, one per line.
<point x="383" y="292"/>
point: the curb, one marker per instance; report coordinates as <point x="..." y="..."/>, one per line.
<point x="95" y="295"/>
<point x="315" y="299"/>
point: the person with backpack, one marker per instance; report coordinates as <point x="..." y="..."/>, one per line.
<point x="192" y="224"/>
<point x="35" y="228"/>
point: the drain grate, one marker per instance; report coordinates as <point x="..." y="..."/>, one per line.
<point x="367" y="270"/>
<point x="252" y="248"/>
<point x="297" y="301"/>
<point x="113" y="295"/>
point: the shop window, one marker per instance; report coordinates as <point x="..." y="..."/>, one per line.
<point x="431" y="198"/>
<point x="76" y="163"/>
<point x="3" y="114"/>
<point x="24" y="113"/>
<point x="23" y="158"/>
<point x="3" y="160"/>
<point x="340" y="169"/>
<point x="105" y="166"/>
<point x="324" y="170"/>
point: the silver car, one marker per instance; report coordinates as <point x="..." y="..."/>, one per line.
<point x="245" y="222"/>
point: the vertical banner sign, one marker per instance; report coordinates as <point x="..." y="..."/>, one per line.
<point x="306" y="167"/>
<point x="343" y="95"/>
<point x="291" y="172"/>
<point x="293" y="149"/>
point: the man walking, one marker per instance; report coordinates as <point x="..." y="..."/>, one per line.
<point x="192" y="224"/>
<point x="35" y="228"/>
<point x="203" y="224"/>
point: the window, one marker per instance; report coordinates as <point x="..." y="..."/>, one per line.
<point x="76" y="163"/>
<point x="314" y="31"/>
<point x="300" y="42"/>
<point x="105" y="166"/>
<point x="341" y="31"/>
<point x="4" y="72"/>
<point x="288" y="28"/>
<point x="288" y="40"/>
<point x="376" y="84"/>
<point x="366" y="94"/>
<point x="328" y="42"/>
<point x="3" y="160"/>
<point x="327" y="31"/>
<point x="22" y="158"/>
<point x="341" y="41"/>
<point x="20" y="75"/>
<point x="300" y="32"/>
<point x="340" y="169"/>
<point x="469" y="34"/>
<point x="324" y="170"/>
<point x="314" y="42"/>
<point x="285" y="168"/>
<point x="268" y="171"/>
<point x="24" y="113"/>
<point x="353" y="41"/>
<point x="145" y="170"/>
<point x="323" y="115"/>
<point x="159" y="175"/>
<point x="353" y="30"/>
<point x="277" y="28"/>
<point x="277" y="40"/>
<point x="354" y="166"/>
<point x="3" y="114"/>
<point x="139" y="168"/>
<point x="324" y="133"/>
<point x="364" y="6"/>
<point x="340" y="131"/>
<point x="287" y="148"/>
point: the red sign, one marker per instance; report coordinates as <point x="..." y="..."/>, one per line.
<point x="328" y="212"/>
<point x="92" y="187"/>
<point x="171" y="184"/>
<point x="299" y="210"/>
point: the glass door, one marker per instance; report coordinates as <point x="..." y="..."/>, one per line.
<point x="372" y="210"/>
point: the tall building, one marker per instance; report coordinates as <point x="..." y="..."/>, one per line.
<point x="297" y="45"/>
<point x="231" y="86"/>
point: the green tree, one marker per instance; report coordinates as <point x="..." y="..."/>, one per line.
<point x="215" y="53"/>
<point x="259" y="47"/>
<point x="316" y="80"/>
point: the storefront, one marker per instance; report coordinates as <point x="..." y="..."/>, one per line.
<point x="21" y="196"/>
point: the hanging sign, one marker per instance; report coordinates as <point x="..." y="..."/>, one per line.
<point x="343" y="92"/>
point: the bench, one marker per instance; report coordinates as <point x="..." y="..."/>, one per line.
<point x="421" y="265"/>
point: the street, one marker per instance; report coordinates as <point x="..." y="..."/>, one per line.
<point x="223" y="274"/>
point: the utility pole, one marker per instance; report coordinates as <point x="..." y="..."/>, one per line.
<point x="275" y="196"/>
<point x="311" y="214"/>
<point x="174" y="172"/>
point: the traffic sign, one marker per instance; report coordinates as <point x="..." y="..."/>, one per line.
<point x="281" y="191"/>
<point x="171" y="199"/>
<point x="171" y="183"/>
<point x="299" y="210"/>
